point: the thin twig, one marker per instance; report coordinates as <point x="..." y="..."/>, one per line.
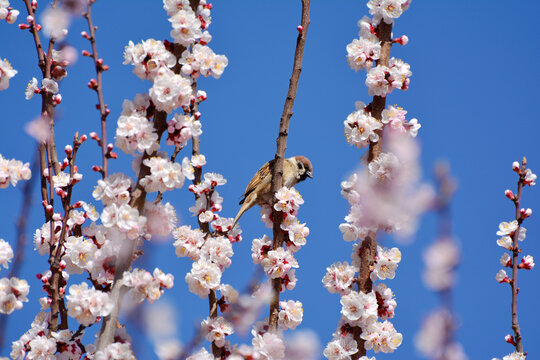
<point x="277" y="170"/>
<point x="104" y="112"/>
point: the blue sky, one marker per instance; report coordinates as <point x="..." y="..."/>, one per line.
<point x="474" y="89"/>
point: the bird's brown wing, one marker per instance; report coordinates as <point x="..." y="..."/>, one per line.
<point x="264" y="171"/>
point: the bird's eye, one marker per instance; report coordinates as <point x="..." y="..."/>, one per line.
<point x="300" y="165"/>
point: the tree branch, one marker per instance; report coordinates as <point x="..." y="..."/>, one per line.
<point x="277" y="171"/>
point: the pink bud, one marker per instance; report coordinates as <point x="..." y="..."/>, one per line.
<point x="57" y="99"/>
<point x="49" y="209"/>
<point x="94" y="135"/>
<point x="57" y="217"/>
<point x="403" y="40"/>
<point x="24" y="26"/>
<point x="110" y="147"/>
<point x="197" y="115"/>
<point x="300" y="28"/>
<point x="34" y="5"/>
<point x="510" y="339"/>
<point x="68" y="149"/>
<point x="96" y="168"/>
<point x="85" y="35"/>
<point x="509" y="194"/>
<point x="113" y="155"/>
<point x="77" y="205"/>
<point x="30" y="19"/>
<point x="82" y="138"/>
<point x="515" y="166"/>
<point x="38" y="27"/>
<point x="86" y="53"/>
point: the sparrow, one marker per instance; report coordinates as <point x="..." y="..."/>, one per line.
<point x="259" y="189"/>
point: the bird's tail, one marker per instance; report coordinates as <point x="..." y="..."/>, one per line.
<point x="245" y="207"/>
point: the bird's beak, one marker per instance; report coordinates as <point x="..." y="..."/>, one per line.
<point x="309" y="174"/>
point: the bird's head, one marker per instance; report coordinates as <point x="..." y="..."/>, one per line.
<point x="305" y="169"/>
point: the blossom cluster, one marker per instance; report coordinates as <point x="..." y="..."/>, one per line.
<point x="385" y="195"/>
<point x="363" y="310"/>
<point x="144" y="285"/>
<point x="12" y="171"/>
<point x="87" y="304"/>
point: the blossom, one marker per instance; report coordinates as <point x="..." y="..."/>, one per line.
<point x="506" y="242"/>
<point x="527" y="262"/>
<point x="441" y="259"/>
<point x="432" y="339"/>
<point x="55" y="22"/>
<point x="383" y="166"/>
<point x="201" y="60"/>
<point x="125" y="218"/>
<point x="290" y="314"/>
<point x="390" y="203"/>
<point x="386" y="301"/>
<point x="80" y="253"/>
<point x="260" y="248"/>
<point x="268" y="346"/>
<point x="216" y="329"/>
<point x="359" y="309"/>
<point x="87" y="304"/>
<point x="203" y="277"/>
<point x="387" y="10"/>
<point x="278" y="263"/>
<point x="164" y="175"/>
<point x="188" y="242"/>
<point x="376" y="81"/>
<point x="145" y="285"/>
<point x="173" y="6"/>
<point x="170" y="90"/>
<point x="148" y="58"/>
<point x="6" y="73"/>
<point x="13" y="292"/>
<point x="186" y="27"/>
<point x="361" y="128"/>
<point x="386" y="263"/>
<point x="381" y="337"/>
<point x="507" y="228"/>
<point x="218" y="250"/>
<point x="161" y="218"/>
<point x="115" y="351"/>
<point x="135" y="133"/>
<point x="49" y="85"/>
<point x="361" y="53"/>
<point x="6" y="253"/>
<point x="339" y="278"/>
<point x="12" y="171"/>
<point x="181" y="128"/>
<point x="501" y="276"/>
<point x="341" y="348"/>
<point x="529" y="178"/>
<point x="42" y="348"/>
<point x="113" y="189"/>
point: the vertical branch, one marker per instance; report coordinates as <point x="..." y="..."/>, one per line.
<point x="515" y="253"/>
<point x="100" y="68"/>
<point x="277" y="170"/>
<point x="369" y="244"/>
